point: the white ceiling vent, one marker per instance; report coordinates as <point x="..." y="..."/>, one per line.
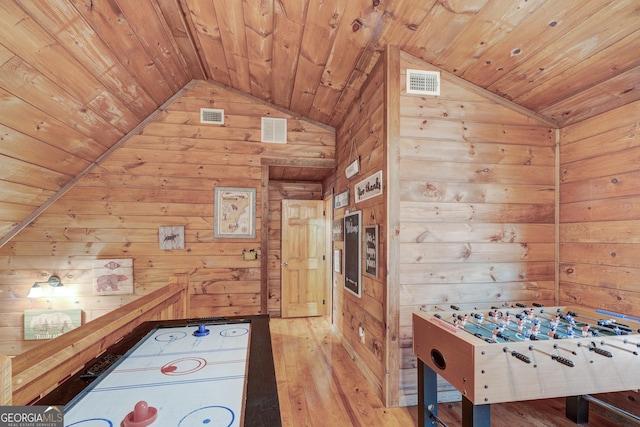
<point x="274" y="130"/>
<point x="212" y="116"/>
<point x="423" y="82"/>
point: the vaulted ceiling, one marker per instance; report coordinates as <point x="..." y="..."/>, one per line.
<point x="77" y="76"/>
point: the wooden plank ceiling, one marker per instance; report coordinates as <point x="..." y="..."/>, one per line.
<point x="76" y="76"/>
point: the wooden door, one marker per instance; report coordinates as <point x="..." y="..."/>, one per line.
<point x="303" y="270"/>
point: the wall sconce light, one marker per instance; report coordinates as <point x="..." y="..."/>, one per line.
<point x="53" y="281"/>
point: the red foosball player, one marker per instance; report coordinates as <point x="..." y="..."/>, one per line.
<point x="507" y="319"/>
<point x="520" y="323"/>
<point x="552" y="332"/>
<point x="463" y="321"/>
<point x="535" y="328"/>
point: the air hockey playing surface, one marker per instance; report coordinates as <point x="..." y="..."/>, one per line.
<point x="192" y="374"/>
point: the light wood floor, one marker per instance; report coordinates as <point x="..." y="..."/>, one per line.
<point x="319" y="385"/>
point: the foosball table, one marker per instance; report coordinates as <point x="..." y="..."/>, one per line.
<point x="520" y="353"/>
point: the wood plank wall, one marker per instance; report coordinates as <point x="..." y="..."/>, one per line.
<point x="163" y="177"/>
<point x="477" y="194"/>
<point x="600" y="211"/>
<point x="362" y="134"/>
<point x="279" y="191"/>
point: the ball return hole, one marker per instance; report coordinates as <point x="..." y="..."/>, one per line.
<point x="438" y="359"/>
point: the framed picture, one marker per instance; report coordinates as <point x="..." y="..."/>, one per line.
<point x="337" y="260"/>
<point x="337" y="230"/>
<point x="234" y="213"/>
<point x="353" y="254"/>
<point x="113" y="276"/>
<point x="371" y="250"/>
<point x="47" y="324"/>
<point x="369" y="187"/>
<point x="341" y="200"/>
<point x="171" y="237"/>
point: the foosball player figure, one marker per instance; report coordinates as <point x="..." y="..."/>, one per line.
<point x="535" y="328"/>
<point x="552" y="332"/>
<point x="553" y="323"/>
<point x="480" y="318"/>
<point x="570" y="333"/>
<point x="501" y="326"/>
<point x="529" y="314"/>
<point x="569" y="318"/>
<point x="585" y="331"/>
<point x="493" y="313"/>
<point x="527" y="335"/>
<point x="507" y="319"/>
<point x="520" y="322"/>
<point x="463" y="321"/>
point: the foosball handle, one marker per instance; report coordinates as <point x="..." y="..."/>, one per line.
<point x="455" y="307"/>
<point x="537" y="304"/>
<point x="601" y="352"/>
<point x="521" y="357"/>
<point x="563" y="360"/>
<point x="521" y="305"/>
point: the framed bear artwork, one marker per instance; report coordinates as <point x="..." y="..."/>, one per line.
<point x="113" y="276"/>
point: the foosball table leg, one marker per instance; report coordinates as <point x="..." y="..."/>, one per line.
<point x="577" y="409"/>
<point x="475" y="415"/>
<point x="427" y="395"/>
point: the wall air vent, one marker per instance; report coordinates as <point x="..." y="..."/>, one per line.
<point x="211" y="116"/>
<point x="274" y="130"/>
<point x="423" y="82"/>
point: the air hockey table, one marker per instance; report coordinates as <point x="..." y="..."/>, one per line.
<point x="205" y="372"/>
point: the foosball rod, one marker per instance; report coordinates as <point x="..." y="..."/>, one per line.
<point x="556" y="346"/>
<point x="499" y="334"/>
<point x="546" y="326"/>
<point x="555" y="357"/>
<point x="575" y="323"/>
<point x="596" y="350"/>
<point x="604" y="325"/>
<point x="603" y="342"/>
<point x="477" y="335"/>
<point x="488" y="319"/>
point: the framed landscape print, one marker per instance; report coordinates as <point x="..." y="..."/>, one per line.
<point x="234" y="212"/>
<point x="47" y="324"/>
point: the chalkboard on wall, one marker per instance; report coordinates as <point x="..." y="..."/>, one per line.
<point x="352" y="254"/>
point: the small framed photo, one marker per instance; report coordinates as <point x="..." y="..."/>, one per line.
<point x="341" y="200"/>
<point x="337" y="260"/>
<point x="171" y="237"/>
